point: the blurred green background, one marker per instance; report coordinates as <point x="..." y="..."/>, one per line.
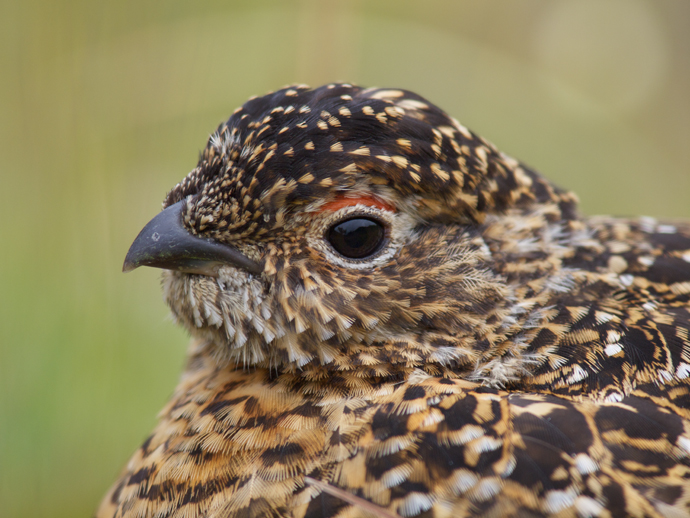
<point x="105" y="105"/>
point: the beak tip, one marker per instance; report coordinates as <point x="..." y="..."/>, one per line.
<point x="129" y="264"/>
<point x="132" y="261"/>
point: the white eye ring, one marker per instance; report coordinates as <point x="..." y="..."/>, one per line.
<point x="393" y="223"/>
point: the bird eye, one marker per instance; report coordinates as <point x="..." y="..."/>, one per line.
<point x="356" y="238"/>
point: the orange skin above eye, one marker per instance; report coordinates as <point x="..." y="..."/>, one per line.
<point x="369" y="201"/>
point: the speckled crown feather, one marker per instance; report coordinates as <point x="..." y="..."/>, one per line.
<point x="299" y="145"/>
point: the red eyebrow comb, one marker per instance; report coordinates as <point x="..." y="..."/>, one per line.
<point x="344" y="201"/>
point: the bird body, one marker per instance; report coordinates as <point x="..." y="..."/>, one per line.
<point x="392" y="318"/>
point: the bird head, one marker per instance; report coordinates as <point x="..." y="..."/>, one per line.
<point x="356" y="228"/>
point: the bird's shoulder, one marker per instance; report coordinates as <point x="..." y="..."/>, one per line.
<point x="234" y="443"/>
<point x="621" y="322"/>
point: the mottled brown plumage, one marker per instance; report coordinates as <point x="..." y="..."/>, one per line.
<point x="496" y="355"/>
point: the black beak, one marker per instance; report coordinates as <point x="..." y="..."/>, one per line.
<point x="165" y="243"/>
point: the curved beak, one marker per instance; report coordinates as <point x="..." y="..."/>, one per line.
<point x="165" y="243"/>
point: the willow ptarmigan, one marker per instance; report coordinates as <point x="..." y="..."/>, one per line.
<point x="390" y="318"/>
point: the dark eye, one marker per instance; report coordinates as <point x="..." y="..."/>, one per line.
<point x="356" y="238"/>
